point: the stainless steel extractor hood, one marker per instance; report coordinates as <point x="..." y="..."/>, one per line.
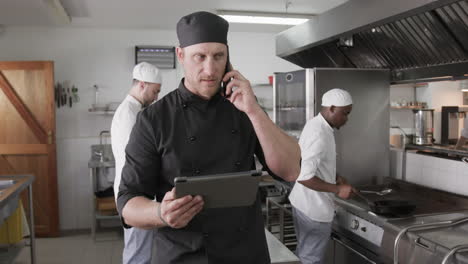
<point x="418" y="40"/>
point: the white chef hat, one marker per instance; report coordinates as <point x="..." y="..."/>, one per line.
<point x="336" y="97"/>
<point x="146" y="72"/>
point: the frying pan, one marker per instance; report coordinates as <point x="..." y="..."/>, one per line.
<point x="389" y="206"/>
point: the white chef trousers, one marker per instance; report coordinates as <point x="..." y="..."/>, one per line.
<point x="138" y="247"/>
<point x="312" y="238"/>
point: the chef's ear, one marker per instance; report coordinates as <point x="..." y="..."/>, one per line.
<point x="332" y="109"/>
<point x="141" y="85"/>
<point x="180" y="54"/>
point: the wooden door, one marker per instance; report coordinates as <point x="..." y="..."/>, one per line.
<point x="27" y="135"/>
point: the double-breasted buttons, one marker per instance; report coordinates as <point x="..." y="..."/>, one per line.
<point x="184" y="105"/>
<point x="192" y="138"/>
<point x="234" y="131"/>
<point x="238" y="164"/>
<point x="197" y="171"/>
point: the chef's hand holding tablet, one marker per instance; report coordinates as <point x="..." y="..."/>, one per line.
<point x="178" y="212"/>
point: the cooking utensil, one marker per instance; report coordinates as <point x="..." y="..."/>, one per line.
<point x="64" y="96"/>
<point x="59" y="95"/>
<point x="76" y="98"/>
<point x="69" y="97"/>
<point x="381" y="193"/>
<point x="388" y="207"/>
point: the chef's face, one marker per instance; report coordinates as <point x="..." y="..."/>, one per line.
<point x="150" y="92"/>
<point x="339" y="115"/>
<point x="204" y="66"/>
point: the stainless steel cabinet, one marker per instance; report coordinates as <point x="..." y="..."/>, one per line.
<point x="362" y="144"/>
<point x="344" y="251"/>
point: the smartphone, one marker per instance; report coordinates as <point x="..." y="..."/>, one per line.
<point x="226" y="70"/>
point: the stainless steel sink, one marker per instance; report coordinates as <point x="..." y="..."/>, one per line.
<point x="101" y="156"/>
<point x="97" y="164"/>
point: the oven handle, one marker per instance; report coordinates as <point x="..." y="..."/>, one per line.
<point x="353" y="250"/>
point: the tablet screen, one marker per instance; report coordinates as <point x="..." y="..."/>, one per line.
<point x="221" y="190"/>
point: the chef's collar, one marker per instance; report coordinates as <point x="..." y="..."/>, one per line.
<point x="134" y="100"/>
<point x="188" y="96"/>
<point x="325" y="123"/>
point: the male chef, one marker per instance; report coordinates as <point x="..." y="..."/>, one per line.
<point x="312" y="195"/>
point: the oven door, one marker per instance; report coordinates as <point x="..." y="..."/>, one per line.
<point x="346" y="251"/>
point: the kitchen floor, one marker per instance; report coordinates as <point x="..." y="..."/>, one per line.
<point x="76" y="248"/>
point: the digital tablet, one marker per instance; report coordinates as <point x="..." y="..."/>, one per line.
<point x="221" y="190"/>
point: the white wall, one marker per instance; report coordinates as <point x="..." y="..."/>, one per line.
<point x="106" y="57"/>
<point x="402" y="117"/>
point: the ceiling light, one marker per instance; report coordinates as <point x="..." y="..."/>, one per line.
<point x="264" y="18"/>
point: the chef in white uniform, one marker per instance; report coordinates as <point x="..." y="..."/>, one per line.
<point x="464" y="135"/>
<point x="145" y="89"/>
<point x="312" y="195"/>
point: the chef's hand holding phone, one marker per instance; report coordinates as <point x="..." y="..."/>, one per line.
<point x="239" y="92"/>
<point x="224" y="84"/>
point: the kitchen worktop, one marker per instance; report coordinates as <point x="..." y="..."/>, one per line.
<point x="10" y="188"/>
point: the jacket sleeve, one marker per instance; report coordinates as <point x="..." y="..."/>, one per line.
<point x="142" y="162"/>
<point x="312" y="154"/>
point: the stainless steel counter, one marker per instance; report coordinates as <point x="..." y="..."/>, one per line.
<point x="438" y="149"/>
<point x="417" y="245"/>
<point x="279" y="253"/>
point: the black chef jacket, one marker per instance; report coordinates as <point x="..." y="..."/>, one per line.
<point x="185" y="135"/>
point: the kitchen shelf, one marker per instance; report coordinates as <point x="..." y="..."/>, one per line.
<point x="101" y="112"/>
<point x="407" y="107"/>
<point x="260" y="85"/>
<point x="290" y="108"/>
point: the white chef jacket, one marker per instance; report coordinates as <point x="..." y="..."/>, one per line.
<point x="318" y="152"/>
<point x="464" y="131"/>
<point x="122" y="124"/>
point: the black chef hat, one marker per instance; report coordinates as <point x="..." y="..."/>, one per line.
<point x="200" y="27"/>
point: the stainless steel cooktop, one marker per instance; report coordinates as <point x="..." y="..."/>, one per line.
<point x="378" y="233"/>
<point x="428" y="201"/>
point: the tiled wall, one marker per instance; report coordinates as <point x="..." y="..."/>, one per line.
<point x="438" y="173"/>
<point x="74" y="181"/>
